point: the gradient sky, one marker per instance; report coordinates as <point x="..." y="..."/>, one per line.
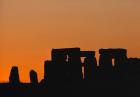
<point x="29" y="29"/>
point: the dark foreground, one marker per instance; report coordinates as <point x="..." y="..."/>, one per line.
<point x="98" y="89"/>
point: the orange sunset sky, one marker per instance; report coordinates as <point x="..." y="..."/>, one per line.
<point x="29" y="29"/>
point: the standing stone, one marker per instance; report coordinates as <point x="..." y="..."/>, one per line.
<point x="14" y="76"/>
<point x="33" y="77"/>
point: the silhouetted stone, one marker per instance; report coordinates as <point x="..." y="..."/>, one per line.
<point x="14" y="76"/>
<point x="33" y="77"/>
<point x="121" y="66"/>
<point x="90" y="65"/>
<point x="113" y="52"/>
<point x="46" y="68"/>
<point x="65" y="69"/>
<point x="58" y="66"/>
<point x="50" y="73"/>
<point x="75" y="64"/>
<point x="59" y="55"/>
<point x="88" y="54"/>
<point x="106" y="65"/>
